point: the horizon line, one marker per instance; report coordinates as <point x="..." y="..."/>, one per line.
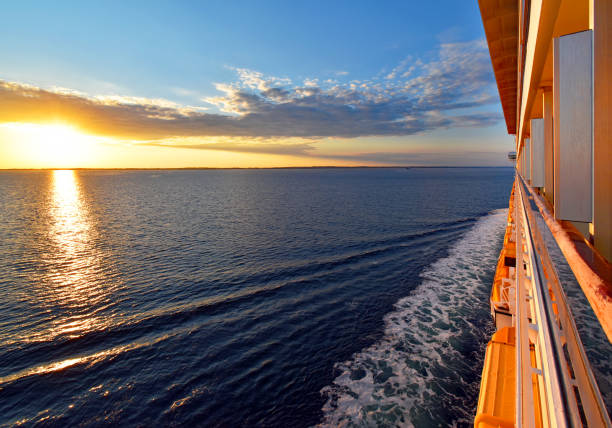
<point x="252" y="167"/>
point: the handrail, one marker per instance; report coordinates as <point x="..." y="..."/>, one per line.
<point x="589" y="267"/>
<point x="556" y="392"/>
<point x="523" y="365"/>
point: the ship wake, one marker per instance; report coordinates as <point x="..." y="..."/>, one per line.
<point x="425" y="371"/>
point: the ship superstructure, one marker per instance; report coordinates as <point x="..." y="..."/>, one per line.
<point x="553" y="62"/>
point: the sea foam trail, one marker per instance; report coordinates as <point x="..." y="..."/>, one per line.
<point x="426" y="369"/>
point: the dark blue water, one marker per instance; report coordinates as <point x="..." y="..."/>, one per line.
<point x="246" y="297"/>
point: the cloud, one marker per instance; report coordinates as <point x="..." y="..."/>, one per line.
<point x="399" y="69"/>
<point x="295" y="147"/>
<point x="416" y="97"/>
<point x="241" y="145"/>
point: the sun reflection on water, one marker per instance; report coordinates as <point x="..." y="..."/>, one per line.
<point x="70" y="229"/>
<point x="74" y="273"/>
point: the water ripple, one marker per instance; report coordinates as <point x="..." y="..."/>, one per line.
<point x="211" y="298"/>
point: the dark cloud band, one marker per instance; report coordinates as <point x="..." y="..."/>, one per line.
<point x="426" y="97"/>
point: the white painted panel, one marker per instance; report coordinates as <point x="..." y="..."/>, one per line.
<point x="527" y="164"/>
<point x="573" y="115"/>
<point x="538" y="165"/>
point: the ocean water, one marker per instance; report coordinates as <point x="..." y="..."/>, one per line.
<point x="291" y="297"/>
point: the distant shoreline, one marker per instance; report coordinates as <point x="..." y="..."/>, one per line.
<point x="247" y="168"/>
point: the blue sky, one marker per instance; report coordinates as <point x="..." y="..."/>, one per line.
<point x="338" y="80"/>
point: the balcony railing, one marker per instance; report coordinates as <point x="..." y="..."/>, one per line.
<point x="554" y="379"/>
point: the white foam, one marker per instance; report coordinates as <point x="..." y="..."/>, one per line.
<point x="426" y="369"/>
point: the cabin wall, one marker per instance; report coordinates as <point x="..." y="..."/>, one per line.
<point x="574" y="122"/>
<point x="564" y="60"/>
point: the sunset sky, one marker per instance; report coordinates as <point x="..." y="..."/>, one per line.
<point x="246" y="84"/>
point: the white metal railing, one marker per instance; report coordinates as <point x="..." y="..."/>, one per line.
<point x="567" y="392"/>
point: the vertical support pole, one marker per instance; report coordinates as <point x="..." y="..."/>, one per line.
<point x="549" y="175"/>
<point x="530" y="166"/>
<point x="527" y="156"/>
<point x="601" y="19"/>
<point x="538" y="165"/>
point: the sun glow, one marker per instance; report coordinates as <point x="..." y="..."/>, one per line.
<point x="52" y="145"/>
